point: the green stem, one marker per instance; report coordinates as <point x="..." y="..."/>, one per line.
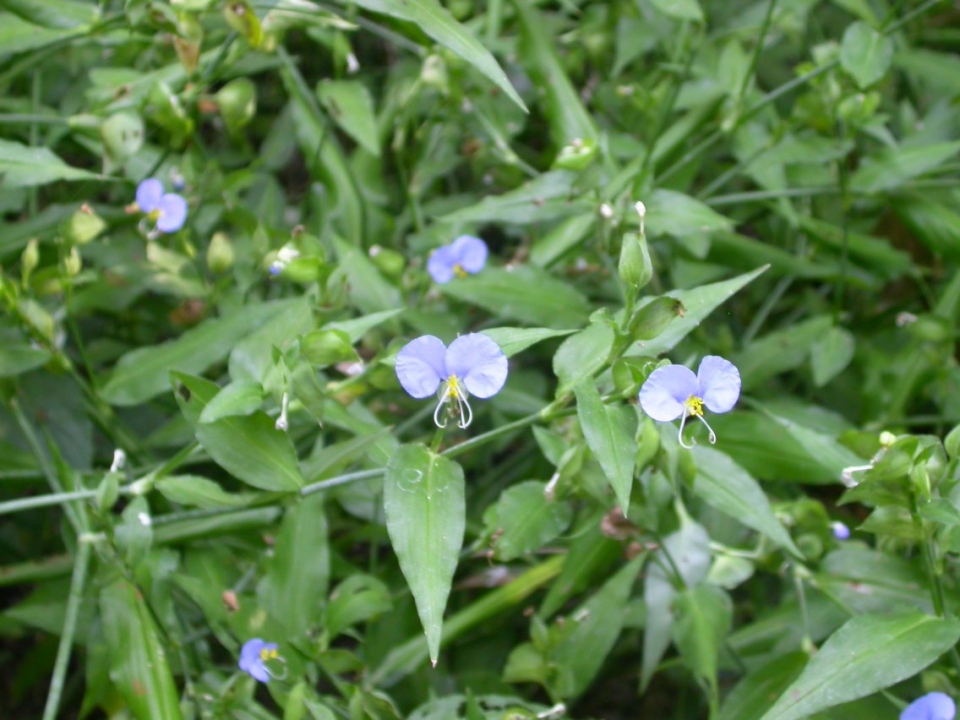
<point x="69" y="629"/>
<point x="35" y="570"/>
<point x="12" y="506"/>
<point x="341" y="480"/>
<point x="27" y="118"/>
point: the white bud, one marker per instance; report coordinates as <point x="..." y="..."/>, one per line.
<point x="606" y="210"/>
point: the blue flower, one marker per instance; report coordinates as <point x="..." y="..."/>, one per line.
<point x="472" y="365"/>
<point x="168" y="210"/>
<point x="839" y="530"/>
<point x="465" y="255"/>
<point x="674" y="391"/>
<point x="254" y="656"/>
<point x="932" y="706"/>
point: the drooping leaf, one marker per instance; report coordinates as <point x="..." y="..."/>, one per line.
<point x="423" y="502"/>
<point x="23" y="166"/>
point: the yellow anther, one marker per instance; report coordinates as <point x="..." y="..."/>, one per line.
<point x="453" y="387"/>
<point x="459" y="271"/>
<point x="694" y="406"/>
<point x="155" y="215"/>
<point x="269" y="654"/>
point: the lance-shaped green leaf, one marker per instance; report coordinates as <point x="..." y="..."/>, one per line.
<point x="698" y="303"/>
<point x="433" y="19"/>
<point x="249" y="447"/>
<point x="423" y="501"/>
<point x="730" y="489"/>
<point x="138" y="663"/>
<point x="610" y="432"/>
<point x="23" y="166"/>
<point x="299" y="572"/>
<point x="869" y="653"/>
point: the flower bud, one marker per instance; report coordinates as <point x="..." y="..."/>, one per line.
<point x="635" y="267"/>
<point x="434" y="73"/>
<point x="237" y="101"/>
<point x="83" y="226"/>
<point x="73" y="263"/>
<point x="241" y="17"/>
<point x="30" y="259"/>
<point x="220" y="255"/>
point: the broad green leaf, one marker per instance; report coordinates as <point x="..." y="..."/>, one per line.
<point x="249" y="447"/>
<point x="568" y="119"/>
<point x="680" y="9"/>
<point x="297" y="577"/>
<point x="831" y="354"/>
<point x="145" y="372"/>
<point x="869" y="653"/>
<point x="546" y="197"/>
<point x="350" y="105"/>
<point x="514" y="340"/>
<point x="569" y="233"/>
<point x="780" y="350"/>
<point x="525" y="293"/>
<point x="357" y="599"/>
<point x="755" y="693"/>
<point x="237" y="398"/>
<point x="525" y="520"/>
<point x="199" y="492"/>
<point x="433" y="19"/>
<point x="423" y="501"/>
<point x="368" y="289"/>
<point x="698" y="303"/>
<point x="592" y="555"/>
<point x="591" y="631"/>
<point x="23" y="166"/>
<point x="53" y="13"/>
<point x="581" y="356"/>
<point x="892" y="168"/>
<point x="704" y="617"/>
<point x="687" y="552"/>
<point x="610" y="431"/>
<point x="251" y="359"/>
<point x="722" y="483"/>
<point x="865" y="54"/>
<point x="672" y="213"/>
<point x="138" y="662"/>
<point x="356" y="328"/>
<point x="16" y="359"/>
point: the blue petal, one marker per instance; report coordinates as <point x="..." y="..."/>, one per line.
<point x="250" y="653"/>
<point x="149" y="193"/>
<point x="719" y="383"/>
<point x="840" y="530"/>
<point x="173" y="213"/>
<point x="440" y="264"/>
<point x="479" y="362"/>
<point x="664" y="392"/>
<point x="932" y="706"/>
<point x="420" y="367"/>
<point x="471" y="253"/>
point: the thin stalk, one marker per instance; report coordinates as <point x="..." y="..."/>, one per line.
<point x="12" y="506"/>
<point x="341" y="480"/>
<point x="27" y="118"/>
<point x="69" y="629"/>
<point x="764" y="27"/>
<point x="35" y="570"/>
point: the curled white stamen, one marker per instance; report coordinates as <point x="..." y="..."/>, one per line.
<point x="282" y="423"/>
<point x="464" y="421"/>
<point x="274" y="675"/>
<point x="683" y="421"/>
<point x="441" y="404"/>
<point x="713" y="435"/>
<point x="846" y="475"/>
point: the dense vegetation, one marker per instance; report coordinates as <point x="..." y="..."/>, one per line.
<point x="237" y="482"/>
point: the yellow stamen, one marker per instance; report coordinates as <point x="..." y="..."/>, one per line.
<point x="694" y="406"/>
<point x="270" y="654"/>
<point x="453" y="386"/>
<point x="155" y="215"/>
<point x="459" y="271"/>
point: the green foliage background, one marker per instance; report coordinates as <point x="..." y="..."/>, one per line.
<point x="797" y="161"/>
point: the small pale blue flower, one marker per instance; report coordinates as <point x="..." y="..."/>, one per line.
<point x="465" y="255"/>
<point x="168" y="210"/>
<point x="254" y="656"/>
<point x="840" y="531"/>
<point x="932" y="706"/>
<point x="673" y="392"/>
<point x="472" y="365"/>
